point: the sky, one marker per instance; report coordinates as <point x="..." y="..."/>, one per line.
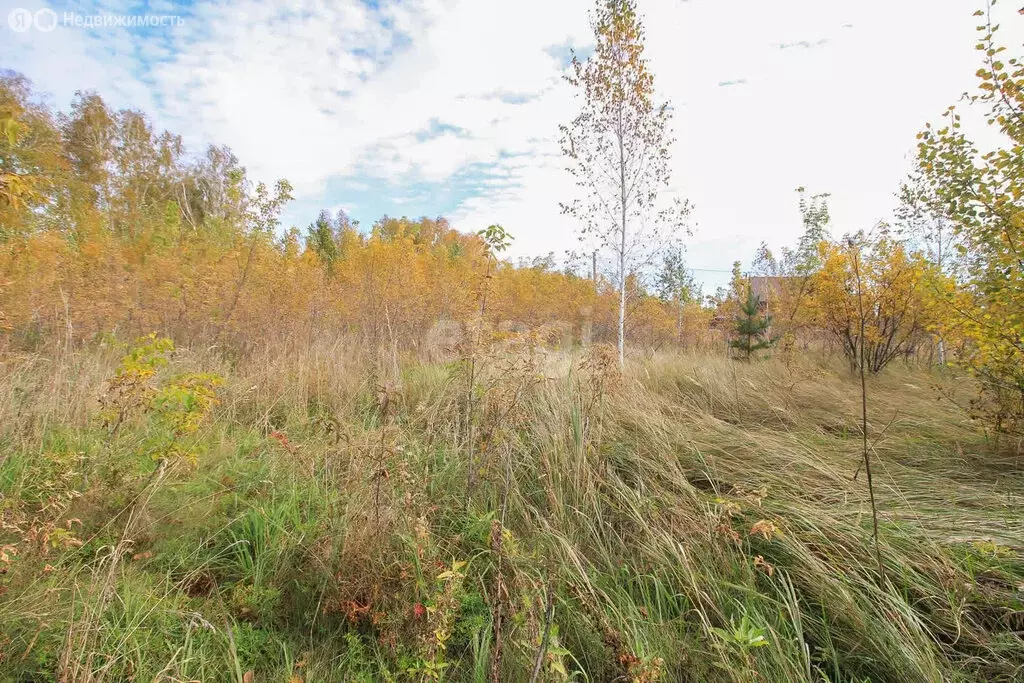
<point x="452" y="107"/>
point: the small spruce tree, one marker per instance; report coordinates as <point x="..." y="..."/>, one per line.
<point x="751" y="328"/>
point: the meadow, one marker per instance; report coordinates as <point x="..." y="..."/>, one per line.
<point x="235" y="450"/>
<point x="178" y="515"/>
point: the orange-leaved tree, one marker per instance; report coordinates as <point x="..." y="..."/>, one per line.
<point x="874" y="280"/>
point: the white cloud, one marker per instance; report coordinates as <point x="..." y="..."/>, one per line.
<point x="823" y="94"/>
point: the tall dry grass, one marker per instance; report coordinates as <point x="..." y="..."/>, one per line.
<point x="692" y="518"/>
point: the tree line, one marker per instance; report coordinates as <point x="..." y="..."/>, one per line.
<point x="109" y="226"/>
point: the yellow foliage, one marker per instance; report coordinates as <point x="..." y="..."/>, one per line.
<point x="385" y="290"/>
<point x="880" y="284"/>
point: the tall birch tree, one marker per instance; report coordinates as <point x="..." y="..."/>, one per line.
<point x="618" y="149"/>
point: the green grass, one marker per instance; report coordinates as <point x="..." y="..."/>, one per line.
<point x="693" y="520"/>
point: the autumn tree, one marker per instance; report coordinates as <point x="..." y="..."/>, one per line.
<point x="922" y="222"/>
<point x="262" y="217"/>
<point x="149" y="167"/>
<point x="30" y="158"/>
<point x="676" y="285"/>
<point x="870" y="295"/>
<point x="88" y="132"/>
<point x="328" y="237"/>
<point x="618" y="149"/>
<point x="213" y="192"/>
<point x="815" y="219"/>
<point x="980" y="193"/>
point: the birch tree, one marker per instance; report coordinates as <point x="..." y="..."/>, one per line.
<point x="618" y="149"/>
<point x="677" y="285"/>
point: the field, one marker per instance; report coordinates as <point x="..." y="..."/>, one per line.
<point x="304" y="514"/>
<point x="553" y="403"/>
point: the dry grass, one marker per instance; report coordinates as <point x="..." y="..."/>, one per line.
<point x="692" y="519"/>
